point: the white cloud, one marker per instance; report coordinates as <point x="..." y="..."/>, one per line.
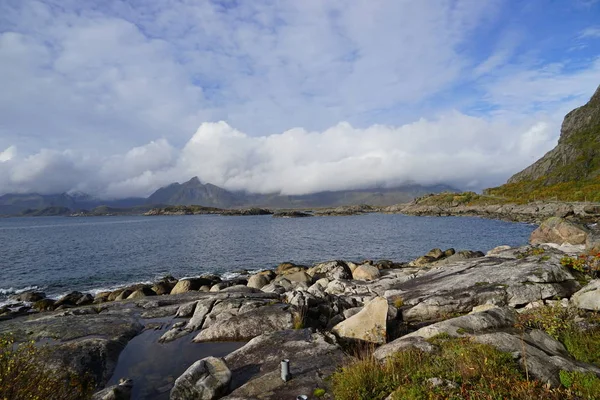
<point x="8" y="154"/>
<point x="593" y="32"/>
<point x="479" y="153"/>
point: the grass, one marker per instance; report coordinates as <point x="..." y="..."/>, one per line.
<point x="580" y="338"/>
<point x="467" y="370"/>
<point x="24" y="375"/>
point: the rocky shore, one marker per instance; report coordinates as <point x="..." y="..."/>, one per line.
<point x="534" y="212"/>
<point x="313" y="315"/>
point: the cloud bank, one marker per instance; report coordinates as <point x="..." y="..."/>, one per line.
<point x="457" y="149"/>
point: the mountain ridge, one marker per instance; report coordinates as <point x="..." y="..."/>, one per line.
<point x="568" y="172"/>
<point x="194" y="192"/>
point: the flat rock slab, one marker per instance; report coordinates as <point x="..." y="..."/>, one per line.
<point x="256" y="366"/>
<point x="457" y="288"/>
<point x="249" y="324"/>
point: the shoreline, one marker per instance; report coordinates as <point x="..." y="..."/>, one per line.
<point x="315" y="308"/>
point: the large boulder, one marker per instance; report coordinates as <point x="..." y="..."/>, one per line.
<point x="192" y="284"/>
<point x="258" y="281"/>
<point x="295" y="277"/>
<point x="559" y="231"/>
<point x="366" y="272"/>
<point x="368" y="325"/>
<point x="588" y="298"/>
<point x="288" y="268"/>
<point x="206" y="379"/>
<point x="256" y="366"/>
<point x="330" y="270"/>
<point x="30" y="297"/>
<point x="70" y="299"/>
<point x="250" y="324"/>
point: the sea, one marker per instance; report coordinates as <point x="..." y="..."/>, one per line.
<point x="57" y="255"/>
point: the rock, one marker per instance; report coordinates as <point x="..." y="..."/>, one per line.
<point x="187" y="285"/>
<point x="388" y="350"/>
<point x="460" y="256"/>
<point x="204" y="288"/>
<point x="70" y="299"/>
<point x="239" y="289"/>
<point x="330" y="270"/>
<point x="249" y="325"/>
<point x="163" y="287"/>
<point x="421" y="261"/>
<point x="482" y="308"/>
<point x="101" y="297"/>
<point x="273" y="288"/>
<point x="256" y="366"/>
<point x="288" y="268"/>
<point x="436" y="254"/>
<point x="449" y="252"/>
<point x="368" y="325"/>
<point x="85" y="300"/>
<point x="366" y="272"/>
<point x="299" y="277"/>
<point x="258" y="281"/>
<point x="458" y="287"/>
<point x="205" y="379"/>
<point x="588" y="298"/>
<point x="122" y="391"/>
<point x="29" y="297"/>
<point x="114" y="294"/>
<point x="560" y="231"/>
<point x="291" y="214"/>
<point x="497" y="251"/>
<point x="493" y="319"/>
<point x="44" y="305"/>
<point x="186" y="310"/>
<point x="142" y="292"/>
<point x="124" y="294"/>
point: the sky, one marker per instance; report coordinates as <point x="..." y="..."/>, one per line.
<point x="117" y="98"/>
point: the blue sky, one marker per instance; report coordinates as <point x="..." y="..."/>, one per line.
<point x="117" y="98"/>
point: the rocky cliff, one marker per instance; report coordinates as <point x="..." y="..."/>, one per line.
<point x="577" y="155"/>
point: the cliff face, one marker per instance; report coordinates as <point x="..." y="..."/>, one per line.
<point x="577" y="155"/>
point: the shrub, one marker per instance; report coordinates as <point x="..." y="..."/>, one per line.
<point x="466" y="369"/>
<point x="24" y="375"/>
<point x="585" y="263"/>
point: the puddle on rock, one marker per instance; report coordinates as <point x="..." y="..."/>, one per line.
<point x="154" y="366"/>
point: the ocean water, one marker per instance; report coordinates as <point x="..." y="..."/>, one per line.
<point x="61" y="254"/>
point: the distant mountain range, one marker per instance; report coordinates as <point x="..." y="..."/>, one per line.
<point x="194" y="192"/>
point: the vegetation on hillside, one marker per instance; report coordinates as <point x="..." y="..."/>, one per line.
<point x="527" y="191"/>
<point x="25" y="375"/>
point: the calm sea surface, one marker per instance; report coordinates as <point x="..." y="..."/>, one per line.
<point x="60" y="254"/>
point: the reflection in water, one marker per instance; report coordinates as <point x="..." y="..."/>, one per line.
<point x="154" y="366"/>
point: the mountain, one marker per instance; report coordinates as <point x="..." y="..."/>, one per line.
<point x="570" y="171"/>
<point x="193" y="192"/>
<point x="14" y="204"/>
<point x="577" y="155"/>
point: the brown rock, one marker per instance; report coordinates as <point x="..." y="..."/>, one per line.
<point x="560" y="231"/>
